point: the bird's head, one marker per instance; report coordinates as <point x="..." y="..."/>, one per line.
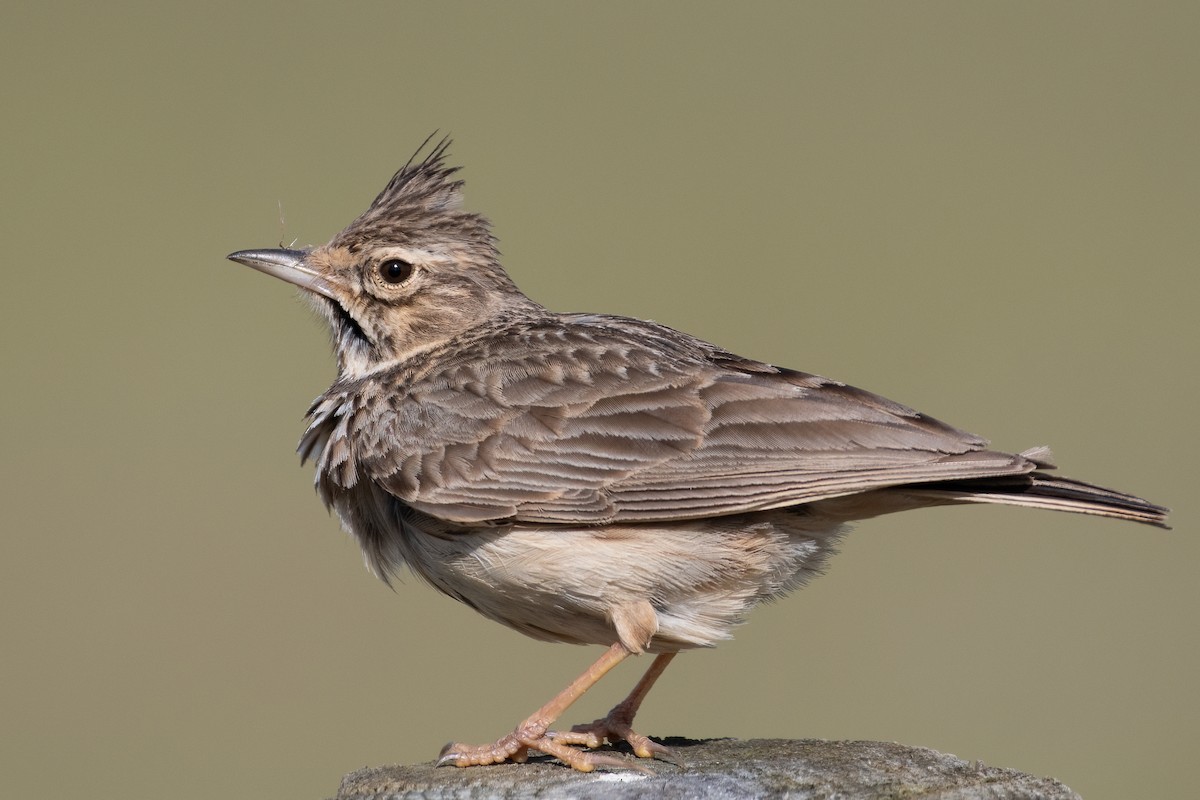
<point x="412" y="272"/>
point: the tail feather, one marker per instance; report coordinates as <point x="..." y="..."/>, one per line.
<point x="1040" y="490"/>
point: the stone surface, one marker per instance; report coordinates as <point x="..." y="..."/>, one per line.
<point x="723" y="768"/>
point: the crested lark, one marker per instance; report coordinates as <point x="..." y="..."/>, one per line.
<point x="596" y="479"/>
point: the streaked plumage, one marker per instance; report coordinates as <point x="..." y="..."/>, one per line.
<point x="589" y="478"/>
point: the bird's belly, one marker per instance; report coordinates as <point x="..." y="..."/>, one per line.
<point x="562" y="583"/>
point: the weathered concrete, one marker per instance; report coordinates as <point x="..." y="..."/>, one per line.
<point x="723" y="768"/>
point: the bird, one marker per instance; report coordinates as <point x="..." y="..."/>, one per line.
<point x="596" y="479"/>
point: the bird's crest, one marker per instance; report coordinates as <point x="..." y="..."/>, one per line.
<point x="427" y="182"/>
<point x="423" y="193"/>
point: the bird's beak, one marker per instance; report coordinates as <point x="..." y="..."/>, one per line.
<point x="286" y="265"/>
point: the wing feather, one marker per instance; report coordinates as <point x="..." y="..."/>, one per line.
<point x="600" y="419"/>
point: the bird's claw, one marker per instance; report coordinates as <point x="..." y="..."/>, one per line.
<point x="614" y="728"/>
<point x="516" y="747"/>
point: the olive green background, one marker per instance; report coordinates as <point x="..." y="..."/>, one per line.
<point x="986" y="211"/>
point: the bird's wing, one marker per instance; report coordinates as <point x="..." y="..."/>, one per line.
<point x="606" y="419"/>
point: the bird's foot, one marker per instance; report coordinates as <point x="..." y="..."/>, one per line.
<point x="616" y="727"/>
<point x="534" y="733"/>
<point x="516" y="746"/>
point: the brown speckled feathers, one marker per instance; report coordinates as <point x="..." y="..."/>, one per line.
<point x="592" y="419"/>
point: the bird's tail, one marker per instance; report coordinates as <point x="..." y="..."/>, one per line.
<point x="1041" y="490"/>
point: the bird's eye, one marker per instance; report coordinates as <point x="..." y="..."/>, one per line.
<point x="395" y="271"/>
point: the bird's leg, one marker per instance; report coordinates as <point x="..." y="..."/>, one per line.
<point x="617" y="726"/>
<point x="532" y="733"/>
